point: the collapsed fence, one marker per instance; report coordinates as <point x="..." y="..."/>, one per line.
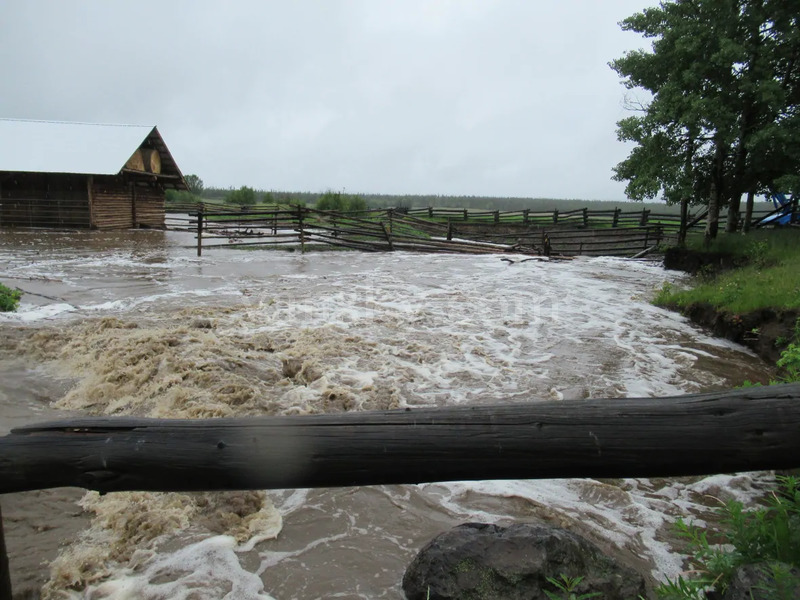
<point x="747" y="429"/>
<point x="592" y="233"/>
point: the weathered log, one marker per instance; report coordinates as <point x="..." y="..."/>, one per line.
<point x="737" y="430"/>
<point x="152" y="160"/>
<point x="136" y="161"/>
<point x="5" y="575"/>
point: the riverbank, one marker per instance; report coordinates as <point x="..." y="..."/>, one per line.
<point x="746" y="289"/>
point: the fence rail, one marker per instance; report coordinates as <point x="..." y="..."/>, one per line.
<point x="568" y="234"/>
<point x="746" y="429"/>
<point x="734" y="430"/>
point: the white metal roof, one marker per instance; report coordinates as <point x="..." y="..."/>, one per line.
<point x="59" y="147"/>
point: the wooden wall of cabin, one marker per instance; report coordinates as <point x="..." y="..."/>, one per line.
<point x="149" y="205"/>
<point x="112" y="203"/>
<point x="43" y="200"/>
<point x="56" y="200"/>
<point x="121" y="202"/>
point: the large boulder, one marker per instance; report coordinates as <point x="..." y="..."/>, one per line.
<point x="764" y="581"/>
<point x="477" y="561"/>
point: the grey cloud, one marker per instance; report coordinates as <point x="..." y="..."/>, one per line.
<point x="499" y="98"/>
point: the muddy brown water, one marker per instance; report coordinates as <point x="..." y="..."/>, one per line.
<point x="35" y="523"/>
<point x="134" y="323"/>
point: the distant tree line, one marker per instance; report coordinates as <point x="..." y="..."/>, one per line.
<point x="341" y="201"/>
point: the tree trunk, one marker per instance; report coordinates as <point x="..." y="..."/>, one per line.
<point x="748" y="214"/>
<point x="738" y="430"/>
<point x="733" y="214"/>
<point x="688" y="172"/>
<point x="712" y="220"/>
<point x="717" y="191"/>
<point x="684" y="222"/>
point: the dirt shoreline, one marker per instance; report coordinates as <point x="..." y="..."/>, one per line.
<point x="766" y="331"/>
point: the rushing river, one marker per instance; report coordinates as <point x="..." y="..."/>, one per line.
<point x="135" y="323"/>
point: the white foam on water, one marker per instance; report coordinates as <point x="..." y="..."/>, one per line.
<point x="205" y="570"/>
<point x="29" y="313"/>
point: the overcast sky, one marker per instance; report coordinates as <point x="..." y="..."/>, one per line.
<point x="497" y="97"/>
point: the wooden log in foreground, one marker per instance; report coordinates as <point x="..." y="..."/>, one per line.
<point x="738" y="430"/>
<point x="5" y="574"/>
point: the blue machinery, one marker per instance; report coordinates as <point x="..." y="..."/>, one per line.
<point x="784" y="213"/>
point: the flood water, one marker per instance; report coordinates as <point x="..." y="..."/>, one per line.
<point x="134" y="323"/>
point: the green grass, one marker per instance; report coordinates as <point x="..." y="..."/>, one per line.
<point x="769" y="536"/>
<point x="567" y="587"/>
<point x="770" y="278"/>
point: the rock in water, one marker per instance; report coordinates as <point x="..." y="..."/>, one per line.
<point x="478" y="561"/>
<point x="764" y="581"/>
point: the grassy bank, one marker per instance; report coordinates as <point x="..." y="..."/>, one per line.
<point x="747" y="291"/>
<point x="768" y="275"/>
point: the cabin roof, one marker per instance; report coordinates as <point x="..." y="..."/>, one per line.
<point x="81" y="148"/>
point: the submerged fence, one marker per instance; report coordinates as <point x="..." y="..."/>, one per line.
<point x="572" y="233"/>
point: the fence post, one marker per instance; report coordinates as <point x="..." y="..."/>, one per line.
<point x="300" y="223"/>
<point x="525" y="214"/>
<point x="390" y="214"/>
<point x="586" y="217"/>
<point x="388" y="235"/>
<point x="200" y="231"/>
<point x="466" y="214"/>
<point x="449" y="230"/>
<point x="430" y="212"/>
<point x="645" y="215"/>
<point x="5" y="574"/>
<point x="555" y="216"/>
<point x="615" y="222"/>
<point x="497" y="216"/>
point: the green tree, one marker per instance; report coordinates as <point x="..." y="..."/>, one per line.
<point x="331" y="201"/>
<point x="195" y="184"/>
<point x="339" y="202"/>
<point x="244" y="196"/>
<point x="723" y="79"/>
<point x="355" y="203"/>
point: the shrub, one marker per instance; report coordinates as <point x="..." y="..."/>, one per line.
<point x="338" y="202"/>
<point x="770" y="535"/>
<point x="789" y="363"/>
<point x="9" y="299"/>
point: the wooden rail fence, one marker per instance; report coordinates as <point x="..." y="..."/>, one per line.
<point x="388" y="230"/>
<point x="737" y="430"/>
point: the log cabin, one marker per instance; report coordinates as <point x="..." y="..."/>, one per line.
<point x="82" y="175"/>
